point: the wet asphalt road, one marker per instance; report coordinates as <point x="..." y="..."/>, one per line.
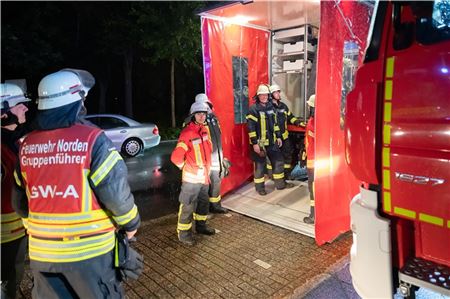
<point x="155" y="182"/>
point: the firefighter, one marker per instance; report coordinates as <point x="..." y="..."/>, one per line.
<point x="192" y="155"/>
<point x="265" y="139"/>
<point x="219" y="165"/>
<point x="284" y="116"/>
<point x="309" y="146"/>
<point x="13" y="236"/>
<point x="78" y="194"/>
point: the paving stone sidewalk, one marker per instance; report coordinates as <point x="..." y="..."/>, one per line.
<point x="247" y="258"/>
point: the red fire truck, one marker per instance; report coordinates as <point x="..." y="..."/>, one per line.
<point x="380" y="72"/>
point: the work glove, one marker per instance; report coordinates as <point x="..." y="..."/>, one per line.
<point x="226" y="164"/>
<point x="128" y="260"/>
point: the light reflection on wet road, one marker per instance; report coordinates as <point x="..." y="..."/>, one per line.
<point x="155" y="181"/>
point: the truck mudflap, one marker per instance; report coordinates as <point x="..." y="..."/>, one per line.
<point x="370" y="255"/>
<point x="427" y="274"/>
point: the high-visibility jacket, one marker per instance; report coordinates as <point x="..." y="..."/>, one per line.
<point x="192" y="153"/>
<point x="262" y="126"/>
<point x="283" y="116"/>
<point x="66" y="222"/>
<point x="309" y="142"/>
<point x="11" y="223"/>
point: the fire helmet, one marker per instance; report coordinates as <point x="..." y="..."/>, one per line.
<point x="311" y="101"/>
<point x="11" y="95"/>
<point x="274" y="88"/>
<point x="198" y="107"/>
<point x="262" y="89"/>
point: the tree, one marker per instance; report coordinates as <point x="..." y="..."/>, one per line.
<point x="171" y="31"/>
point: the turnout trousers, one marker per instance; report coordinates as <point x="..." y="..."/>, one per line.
<point x="214" y="187"/>
<point x="276" y="160"/>
<point x="92" y="278"/>
<point x="194" y="205"/>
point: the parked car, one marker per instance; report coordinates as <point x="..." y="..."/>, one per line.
<point x="128" y="136"/>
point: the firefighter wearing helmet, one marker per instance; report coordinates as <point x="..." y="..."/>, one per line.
<point x="265" y="140"/>
<point x="284" y="116"/>
<point x="219" y="165"/>
<point x="309" y="146"/>
<point x="78" y="195"/>
<point x="13" y="237"/>
<point x="192" y="155"/>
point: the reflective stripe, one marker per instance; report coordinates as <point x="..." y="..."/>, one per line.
<point x="276" y="128"/>
<point x="86" y="190"/>
<point x="69" y="245"/>
<point x="124" y="219"/>
<point x="25" y="222"/>
<point x="11" y="226"/>
<point x="67" y="218"/>
<point x="263" y="126"/>
<point x="431" y="219"/>
<point x="387" y="134"/>
<point x="252" y="134"/>
<point x="12" y="235"/>
<point x="388" y="90"/>
<point x="386" y="157"/>
<point x="387" y="111"/>
<point x="215" y="167"/>
<point x="57" y="231"/>
<point x="278" y="175"/>
<point x="386" y="179"/>
<point x="257" y="181"/>
<point x="16" y="178"/>
<point x="105" y="167"/>
<point x="249" y="116"/>
<point x="9" y="217"/>
<point x="390" y="67"/>
<point x="182" y="226"/>
<point x="312" y="203"/>
<point x="285" y="135"/>
<point x="193" y="178"/>
<point x="79" y="254"/>
<point x="269" y="166"/>
<point x="405" y="212"/>
<point x="387" y="201"/>
<point x="287" y="166"/>
<point x="182" y="145"/>
<point x="199" y="217"/>
<point x="293" y="120"/>
<point x="198" y="155"/>
<point x="215" y="199"/>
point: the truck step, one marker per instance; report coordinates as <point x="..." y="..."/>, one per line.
<point x="427" y="274"/>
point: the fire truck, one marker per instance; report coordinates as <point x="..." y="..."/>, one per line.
<point x="380" y="72"/>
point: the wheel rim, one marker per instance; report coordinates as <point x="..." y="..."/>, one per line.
<point x="132" y="147"/>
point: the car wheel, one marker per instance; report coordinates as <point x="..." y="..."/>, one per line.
<point x="131" y="147"/>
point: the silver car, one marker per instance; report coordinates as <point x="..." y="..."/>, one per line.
<point x="128" y="136"/>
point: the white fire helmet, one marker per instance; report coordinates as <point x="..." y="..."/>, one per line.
<point x="198" y="107"/>
<point x="11" y="95"/>
<point x="312" y="100"/>
<point x="274" y="88"/>
<point x="262" y="89"/>
<point x="64" y="87"/>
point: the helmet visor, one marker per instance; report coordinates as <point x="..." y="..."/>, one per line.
<point x="85" y="77"/>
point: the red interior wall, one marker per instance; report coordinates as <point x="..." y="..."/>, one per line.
<point x="220" y="43"/>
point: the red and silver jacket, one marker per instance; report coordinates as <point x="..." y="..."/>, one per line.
<point x="309" y="142"/>
<point x="192" y="153"/>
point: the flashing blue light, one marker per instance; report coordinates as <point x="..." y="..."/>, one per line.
<point x="444" y="70"/>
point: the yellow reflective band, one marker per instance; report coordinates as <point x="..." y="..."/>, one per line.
<point x="312" y="203"/>
<point x="71" y="245"/>
<point x="386" y="157"/>
<point x="16" y="178"/>
<point x="390" y="67"/>
<point x="198" y="155"/>
<point x="269" y="166"/>
<point x="278" y="175"/>
<point x="387" y="111"/>
<point x="405" y="212"/>
<point x="182" y="145"/>
<point x="11" y="226"/>
<point x="199" y="217"/>
<point x="287" y="166"/>
<point x="388" y="90"/>
<point x="387" y="201"/>
<point x="386" y="179"/>
<point x="184" y="226"/>
<point x="387" y="134"/>
<point x="276" y="128"/>
<point x="58" y="231"/>
<point x="11" y="236"/>
<point x="9" y="217"/>
<point x="431" y="219"/>
<point x="448" y="223"/>
<point x="124" y="219"/>
<point x="67" y="218"/>
<point x="249" y="116"/>
<point x="105" y="167"/>
<point x="293" y="120"/>
<point x="263" y="127"/>
<point x="252" y="134"/>
<point x="25" y="222"/>
<point x="258" y="181"/>
<point x="215" y="199"/>
<point x="285" y="135"/>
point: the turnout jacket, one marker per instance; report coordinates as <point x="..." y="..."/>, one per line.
<point x="192" y="153"/>
<point x="309" y="142"/>
<point x="77" y="189"/>
<point x="261" y="123"/>
<point x="283" y="117"/>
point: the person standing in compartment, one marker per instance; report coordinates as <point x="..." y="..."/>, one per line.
<point x="284" y="116"/>
<point x="309" y="146"/>
<point x="265" y="140"/>
<point x="192" y="155"/>
<point x="13" y="235"/>
<point x="78" y="195"/>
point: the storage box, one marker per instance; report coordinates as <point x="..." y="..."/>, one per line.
<point x="297" y="47"/>
<point x="294" y="65"/>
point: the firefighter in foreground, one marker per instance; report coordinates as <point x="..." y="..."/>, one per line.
<point x="219" y="165"/>
<point x="192" y="155"/>
<point x="309" y="146"/>
<point x="284" y="116"/>
<point x="265" y="139"/>
<point x="13" y="237"/>
<point x="78" y="194"/>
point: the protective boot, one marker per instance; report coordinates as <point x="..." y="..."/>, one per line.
<point x="311" y="218"/>
<point x="186" y="237"/>
<point x="202" y="228"/>
<point x="216" y="208"/>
